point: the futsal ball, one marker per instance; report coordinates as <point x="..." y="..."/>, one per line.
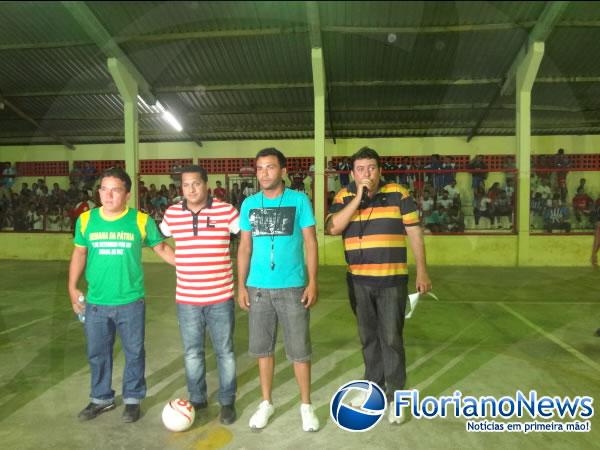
<point x="178" y="415"/>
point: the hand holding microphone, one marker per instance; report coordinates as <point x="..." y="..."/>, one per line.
<point x="364" y="198"/>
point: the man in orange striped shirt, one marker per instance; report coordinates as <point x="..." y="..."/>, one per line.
<point x="375" y="217"/>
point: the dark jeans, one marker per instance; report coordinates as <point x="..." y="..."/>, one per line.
<point x="380" y="316"/>
<point x="101" y="325"/>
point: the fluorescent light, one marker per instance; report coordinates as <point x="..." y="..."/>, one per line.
<point x="160" y="107"/>
<point x="171" y="120"/>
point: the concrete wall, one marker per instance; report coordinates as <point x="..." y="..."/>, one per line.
<point x="466" y="250"/>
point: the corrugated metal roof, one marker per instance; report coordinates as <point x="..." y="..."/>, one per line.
<point x="412" y="57"/>
<point x="55" y="69"/>
<point x="435" y="76"/>
<point x="37" y="23"/>
<point x="572" y="52"/>
<point x="420" y="14"/>
<point x="140" y="18"/>
<point x="259" y="59"/>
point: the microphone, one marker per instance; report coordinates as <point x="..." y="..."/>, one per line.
<point x="365" y="197"/>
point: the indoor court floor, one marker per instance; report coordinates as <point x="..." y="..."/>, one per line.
<point x="493" y="331"/>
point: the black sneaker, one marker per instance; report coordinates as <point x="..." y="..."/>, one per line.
<point x="598" y="332"/>
<point x="199" y="405"/>
<point x="131" y="413"/>
<point x="92" y="410"/>
<point x="228" y="414"/>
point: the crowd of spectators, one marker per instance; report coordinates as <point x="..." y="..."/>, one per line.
<point x="443" y="208"/>
<point x="552" y="206"/>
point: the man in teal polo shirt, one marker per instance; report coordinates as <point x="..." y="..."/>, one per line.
<point x="108" y="245"/>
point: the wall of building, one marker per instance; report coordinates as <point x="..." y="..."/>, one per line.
<point x="443" y="250"/>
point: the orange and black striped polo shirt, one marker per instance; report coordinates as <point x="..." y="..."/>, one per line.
<point x="375" y="239"/>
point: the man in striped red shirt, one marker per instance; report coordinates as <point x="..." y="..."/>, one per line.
<point x="201" y="226"/>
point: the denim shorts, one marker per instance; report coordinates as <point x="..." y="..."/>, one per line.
<point x="267" y="308"/>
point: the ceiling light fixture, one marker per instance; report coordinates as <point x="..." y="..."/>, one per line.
<point x="171" y="120"/>
<point x="168" y="116"/>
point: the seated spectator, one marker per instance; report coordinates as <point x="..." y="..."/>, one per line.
<point x="25" y="191"/>
<point x="502" y="207"/>
<point x="35" y="217"/>
<point x="456" y="220"/>
<point x="85" y="204"/>
<point x="20" y="221"/>
<point x="53" y="220"/>
<point x="545" y="190"/>
<point x="445" y="201"/>
<point x="482" y="207"/>
<point x="427" y="204"/>
<point x="388" y="166"/>
<point x="174" y="194"/>
<point x="556" y="216"/>
<point x="436" y="221"/>
<point x="158" y="201"/>
<point x="67" y="223"/>
<point x="494" y="191"/>
<point x="453" y="192"/>
<point x="582" y="205"/>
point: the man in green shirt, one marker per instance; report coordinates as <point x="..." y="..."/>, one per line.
<point x="108" y="246"/>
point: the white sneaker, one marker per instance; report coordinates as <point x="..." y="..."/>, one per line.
<point x="393" y="418"/>
<point x="310" y="421"/>
<point x="261" y="417"/>
<point x="358" y="399"/>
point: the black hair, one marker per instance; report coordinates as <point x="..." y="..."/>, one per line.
<point x="193" y="168"/>
<point x="272" y="151"/>
<point x="365" y="153"/>
<point x="118" y="172"/>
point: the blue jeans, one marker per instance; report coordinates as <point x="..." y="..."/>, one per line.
<point x="219" y="318"/>
<point x="101" y="325"/>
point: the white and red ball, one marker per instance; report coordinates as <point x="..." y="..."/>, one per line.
<point x="178" y="415"/>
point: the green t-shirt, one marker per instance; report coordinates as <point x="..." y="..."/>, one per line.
<point x="114" y="254"/>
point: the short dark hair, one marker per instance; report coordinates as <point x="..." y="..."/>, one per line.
<point x="272" y="151"/>
<point x="365" y="153"/>
<point x="194" y="168"/>
<point x="118" y="172"/>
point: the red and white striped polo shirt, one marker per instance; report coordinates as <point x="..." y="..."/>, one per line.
<point x="203" y="263"/>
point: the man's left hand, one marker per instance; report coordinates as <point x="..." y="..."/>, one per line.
<point x="309" y="296"/>
<point x="423" y="282"/>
